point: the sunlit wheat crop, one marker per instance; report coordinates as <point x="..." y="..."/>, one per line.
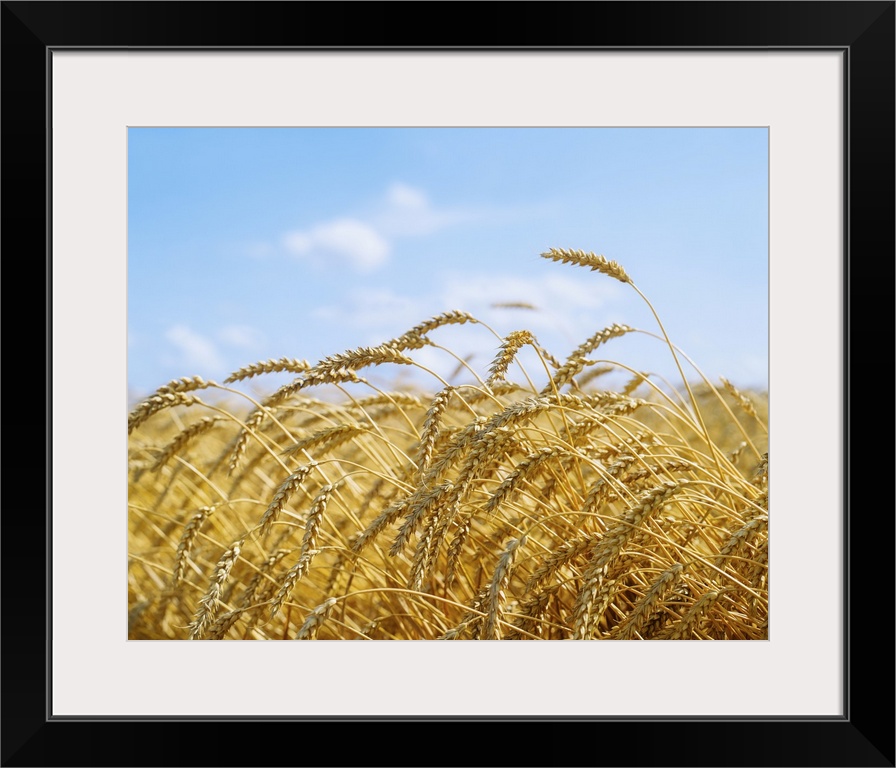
<point x="522" y="501"/>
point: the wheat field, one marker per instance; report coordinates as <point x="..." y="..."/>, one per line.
<point x="529" y="503"/>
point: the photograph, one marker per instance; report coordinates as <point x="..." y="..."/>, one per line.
<point x="448" y="383"/>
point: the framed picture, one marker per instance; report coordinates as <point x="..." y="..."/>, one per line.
<point x="94" y="96"/>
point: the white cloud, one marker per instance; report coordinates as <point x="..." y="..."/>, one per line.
<point x="365" y="243"/>
<point x="242" y="336"/>
<point x="380" y="313"/>
<point x="350" y="240"/>
<point x="196" y="352"/>
<point x="369" y="317"/>
<point x="407" y="211"/>
<point x="568" y="311"/>
<point x="555" y="297"/>
<point x="402" y="196"/>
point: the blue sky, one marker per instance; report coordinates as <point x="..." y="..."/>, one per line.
<point x="252" y="243"/>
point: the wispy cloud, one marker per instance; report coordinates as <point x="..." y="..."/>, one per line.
<point x="194" y="351"/>
<point x="407" y="211"/>
<point x="348" y="240"/>
<point x="241" y="336"/>
<point x="376" y="312"/>
<point x="558" y="298"/>
<point x="568" y="311"/>
<point x="366" y="242"/>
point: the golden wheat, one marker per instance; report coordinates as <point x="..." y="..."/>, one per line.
<point x="479" y="508"/>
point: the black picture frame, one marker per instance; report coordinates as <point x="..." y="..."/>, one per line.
<point x="863" y="736"/>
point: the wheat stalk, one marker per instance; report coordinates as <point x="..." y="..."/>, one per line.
<point x="431" y="428"/>
<point x="611" y="544"/>
<point x="511" y="344"/>
<point x="578" y="358"/>
<point x="596" y="595"/>
<point x="182" y="439"/>
<point x="283" y="365"/>
<point x="308" y="551"/>
<point x="496" y="596"/>
<point x="523" y="471"/>
<point x="742" y="400"/>
<point x="639" y="615"/>
<point x="684" y="628"/>
<point x="316" y="620"/>
<point x="282" y="495"/>
<point x="211" y="600"/>
<point x="327" y="439"/>
<point x="185" y="545"/>
<point x="590" y="260"/>
<point x="414" y="335"/>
